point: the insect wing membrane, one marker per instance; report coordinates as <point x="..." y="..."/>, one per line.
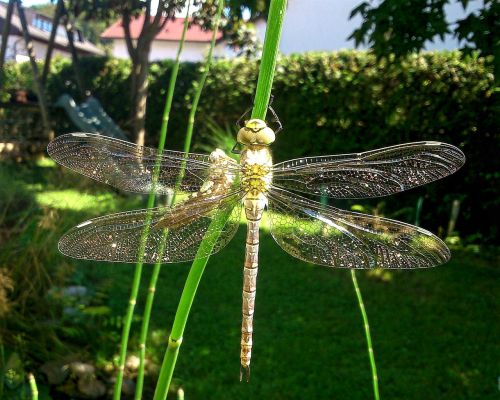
<point x="117" y="237"/>
<point x="129" y="167"/>
<point x="371" y="174"/>
<point x="329" y="236"/>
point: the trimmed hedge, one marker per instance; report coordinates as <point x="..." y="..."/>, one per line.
<point x="336" y="103"/>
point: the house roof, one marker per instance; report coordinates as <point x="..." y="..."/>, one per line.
<point x="42" y="36"/>
<point x="171" y="32"/>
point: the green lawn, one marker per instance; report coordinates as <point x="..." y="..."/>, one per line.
<point x="435" y="332"/>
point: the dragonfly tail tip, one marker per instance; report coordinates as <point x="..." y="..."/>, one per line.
<point x="245" y="373"/>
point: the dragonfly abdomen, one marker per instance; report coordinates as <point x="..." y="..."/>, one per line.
<point x="250" y="269"/>
<point x="256" y="179"/>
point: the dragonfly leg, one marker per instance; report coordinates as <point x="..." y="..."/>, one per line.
<point x="239" y="123"/>
<point x="276" y="119"/>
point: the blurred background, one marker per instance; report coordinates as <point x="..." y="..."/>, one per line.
<point x="353" y="76"/>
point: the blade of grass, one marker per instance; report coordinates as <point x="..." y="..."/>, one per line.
<point x="33" y="387"/>
<point x="2" y="369"/>
<point x="262" y="95"/>
<point x="157" y="266"/>
<point x="150" y="203"/>
<point x="367" y="334"/>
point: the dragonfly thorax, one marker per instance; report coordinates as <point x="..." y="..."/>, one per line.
<point x="256" y="175"/>
<point x="256" y="132"/>
<point x="255" y="179"/>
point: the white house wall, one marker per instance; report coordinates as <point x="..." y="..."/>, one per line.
<point x="16" y="50"/>
<point x="166" y="50"/>
<point x="41" y="51"/>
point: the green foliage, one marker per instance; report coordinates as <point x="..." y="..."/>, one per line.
<point x="401" y="27"/>
<point x="335" y="103"/>
<point x="432" y="330"/>
<point x="91" y="28"/>
<point x="235" y="27"/>
<point x="481" y="31"/>
<point x="45" y="311"/>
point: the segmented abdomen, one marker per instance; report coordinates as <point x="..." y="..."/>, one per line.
<point x="253" y="209"/>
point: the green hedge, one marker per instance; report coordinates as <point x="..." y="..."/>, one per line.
<point x="335" y="103"/>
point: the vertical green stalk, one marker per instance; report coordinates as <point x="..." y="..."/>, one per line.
<point x="263" y="92"/>
<point x="151" y="201"/>
<point x="269" y="56"/>
<point x="33" y="387"/>
<point x="145" y="324"/>
<point x="367" y="334"/>
<point x="187" y="145"/>
<point x="2" y="369"/>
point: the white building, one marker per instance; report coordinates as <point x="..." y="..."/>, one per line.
<point x="166" y="43"/>
<point x="309" y="25"/>
<point x="39" y="27"/>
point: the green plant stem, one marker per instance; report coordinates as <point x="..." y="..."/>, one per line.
<point x="203" y="79"/>
<point x="262" y="95"/>
<point x="171" y="85"/>
<point x="270" y="52"/>
<point x="367" y="334"/>
<point x="33" y="387"/>
<point x="150" y="203"/>
<point x="145" y="323"/>
<point x="2" y="360"/>
<point x="185" y="303"/>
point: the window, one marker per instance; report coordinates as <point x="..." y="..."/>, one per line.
<point x="42" y="23"/>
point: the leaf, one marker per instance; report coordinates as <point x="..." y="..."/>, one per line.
<point x="360" y="9"/>
<point x="97" y="310"/>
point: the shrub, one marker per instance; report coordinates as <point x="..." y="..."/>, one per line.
<point x="335" y="103"/>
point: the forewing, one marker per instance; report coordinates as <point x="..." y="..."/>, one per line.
<point x="371" y="174"/>
<point x="117" y="237"/>
<point x="329" y="236"/>
<point x="129" y="167"/>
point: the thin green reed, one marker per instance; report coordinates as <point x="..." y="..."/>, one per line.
<point x="367" y="334"/>
<point x="33" y="387"/>
<point x="150" y="203"/>
<point x="262" y="95"/>
<point x="187" y="144"/>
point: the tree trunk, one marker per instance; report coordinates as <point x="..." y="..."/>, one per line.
<point x="50" y="45"/>
<point x="68" y="25"/>
<point x="36" y="77"/>
<point x="140" y="84"/>
<point x="5" y="37"/>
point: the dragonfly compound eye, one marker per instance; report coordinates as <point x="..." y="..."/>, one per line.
<point x="256" y="132"/>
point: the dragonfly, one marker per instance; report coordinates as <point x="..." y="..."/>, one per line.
<point x="215" y="184"/>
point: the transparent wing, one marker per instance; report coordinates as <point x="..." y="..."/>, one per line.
<point x="129" y="167"/>
<point x="329" y="236"/>
<point x="371" y="174"/>
<point x="117" y="237"/>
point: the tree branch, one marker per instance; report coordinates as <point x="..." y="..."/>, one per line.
<point x="50" y="46"/>
<point x="159" y="13"/>
<point x="128" y="37"/>
<point x="5" y="35"/>
<point x="163" y="24"/>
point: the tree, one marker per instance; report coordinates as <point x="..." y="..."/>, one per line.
<point x="91" y="29"/>
<point x="235" y="27"/>
<point x="401" y="27"/>
<point x="139" y="47"/>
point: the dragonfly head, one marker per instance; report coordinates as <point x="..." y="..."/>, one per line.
<point x="256" y="132"/>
